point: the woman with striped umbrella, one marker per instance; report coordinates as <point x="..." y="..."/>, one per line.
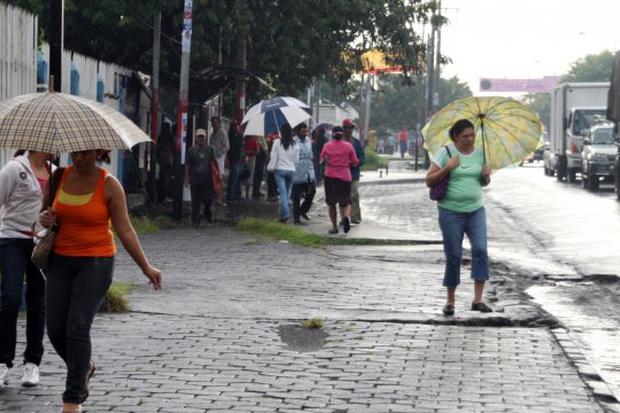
<point x="82" y="205"/>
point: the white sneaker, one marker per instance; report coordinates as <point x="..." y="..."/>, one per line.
<point x="31" y="375"/>
<point x="4" y="375"/>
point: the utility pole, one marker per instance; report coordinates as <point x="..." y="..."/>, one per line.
<point x="154" y="108"/>
<point x="437" y="26"/>
<point x="241" y="63"/>
<point x="181" y="137"/>
<point x="57" y="38"/>
<point x="368" y="88"/>
<point x="430" y="74"/>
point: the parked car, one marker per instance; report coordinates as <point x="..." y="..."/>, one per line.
<point x="599" y="155"/>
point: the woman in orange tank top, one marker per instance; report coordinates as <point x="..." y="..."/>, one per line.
<point x="87" y="201"/>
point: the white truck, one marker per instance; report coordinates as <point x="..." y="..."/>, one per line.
<point x="573" y="107"/>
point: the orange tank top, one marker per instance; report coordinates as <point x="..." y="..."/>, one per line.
<point x="83" y="227"/>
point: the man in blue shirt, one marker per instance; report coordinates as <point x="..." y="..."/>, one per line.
<point x="356" y="213"/>
<point x="304" y="177"/>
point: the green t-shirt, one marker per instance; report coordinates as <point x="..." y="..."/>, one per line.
<point x="464" y="188"/>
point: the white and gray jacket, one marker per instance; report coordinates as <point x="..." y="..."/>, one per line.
<point x="20" y="198"/>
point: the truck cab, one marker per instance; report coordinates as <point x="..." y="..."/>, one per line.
<point x="598" y="155"/>
<point x="578" y="124"/>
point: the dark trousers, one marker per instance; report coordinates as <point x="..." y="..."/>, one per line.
<point x="164" y="183"/>
<point x="307" y="190"/>
<point x="233" y="191"/>
<point x="272" y="186"/>
<point x="75" y="288"/>
<point x="202" y="194"/>
<point x="259" y="172"/>
<point x="15" y="263"/>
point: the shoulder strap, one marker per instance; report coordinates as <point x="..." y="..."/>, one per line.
<point x="54" y="184"/>
<point x="448" y="150"/>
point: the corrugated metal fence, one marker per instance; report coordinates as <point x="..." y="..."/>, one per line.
<point x="18" y="54"/>
<point x="81" y="75"/>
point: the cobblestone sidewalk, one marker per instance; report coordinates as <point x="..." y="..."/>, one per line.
<point x="210" y="340"/>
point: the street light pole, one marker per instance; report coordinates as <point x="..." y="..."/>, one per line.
<point x="182" y="118"/>
<point x="56" y="37"/>
<point x="154" y="107"/>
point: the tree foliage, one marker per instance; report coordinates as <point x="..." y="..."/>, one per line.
<point x="289" y="42"/>
<point x="397" y="105"/>
<point x="591" y="68"/>
<point x="541" y="104"/>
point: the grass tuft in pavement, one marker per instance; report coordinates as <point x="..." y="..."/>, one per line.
<point x="313" y="323"/>
<point x="117" y="297"/>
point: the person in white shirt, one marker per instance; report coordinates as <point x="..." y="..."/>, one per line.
<point x="284" y="158"/>
<point x="22" y="184"/>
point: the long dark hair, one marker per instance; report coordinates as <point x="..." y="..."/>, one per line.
<point x="286" y="136"/>
<point x="458" y="127"/>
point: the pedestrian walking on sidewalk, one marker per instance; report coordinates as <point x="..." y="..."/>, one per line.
<point x="461" y="211"/>
<point x="80" y="267"/>
<point x="339" y="156"/>
<point x="272" y="186"/>
<point x="250" y="150"/>
<point x="284" y="157"/>
<point x="219" y="142"/>
<point x="22" y="183"/>
<point x="235" y="162"/>
<point x="198" y="176"/>
<point x="304" y="178"/>
<point x="356" y="212"/>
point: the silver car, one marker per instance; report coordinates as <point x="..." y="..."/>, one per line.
<point x="599" y="156"/>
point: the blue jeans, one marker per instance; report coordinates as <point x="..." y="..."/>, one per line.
<point x="284" y="180"/>
<point x="15" y="263"/>
<point x="453" y="226"/>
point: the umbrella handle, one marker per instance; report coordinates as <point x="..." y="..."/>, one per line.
<point x="484" y="152"/>
<point x="275" y="120"/>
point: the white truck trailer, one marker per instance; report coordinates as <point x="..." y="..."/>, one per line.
<point x="573" y="107"/>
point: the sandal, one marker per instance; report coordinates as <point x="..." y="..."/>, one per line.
<point x="448" y="310"/>
<point x="482" y="307"/>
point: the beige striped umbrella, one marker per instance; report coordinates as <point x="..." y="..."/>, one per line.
<point x="57" y="122"/>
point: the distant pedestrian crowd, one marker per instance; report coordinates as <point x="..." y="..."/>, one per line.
<point x="286" y="167"/>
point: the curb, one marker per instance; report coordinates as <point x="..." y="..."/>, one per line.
<point x="590" y="376"/>
<point x="394" y="181"/>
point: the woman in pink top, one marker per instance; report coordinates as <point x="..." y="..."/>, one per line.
<point x="339" y="156"/>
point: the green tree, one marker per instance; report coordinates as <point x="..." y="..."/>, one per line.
<point x="591" y="68"/>
<point x="397" y="104"/>
<point x="541" y="104"/>
<point x="289" y="43"/>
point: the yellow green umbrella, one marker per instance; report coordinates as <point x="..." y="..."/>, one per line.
<point x="507" y="130"/>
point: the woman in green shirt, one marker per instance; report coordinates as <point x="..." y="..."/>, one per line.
<point x="461" y="210"/>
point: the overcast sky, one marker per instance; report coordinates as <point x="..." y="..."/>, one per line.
<point x="525" y="38"/>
